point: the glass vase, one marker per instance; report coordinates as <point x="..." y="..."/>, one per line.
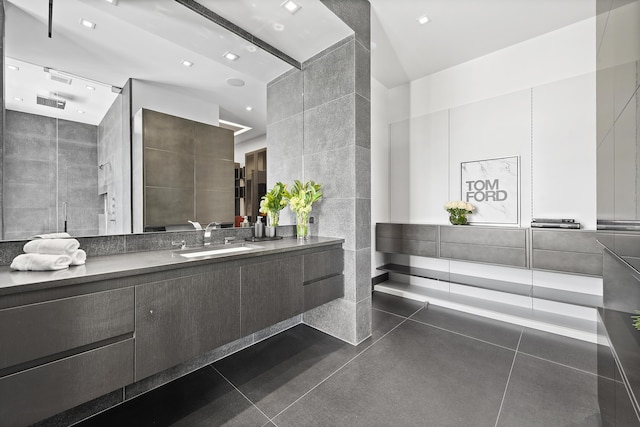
<point x="273" y="218"/>
<point x="302" y="225"/>
<point x="458" y="218"/>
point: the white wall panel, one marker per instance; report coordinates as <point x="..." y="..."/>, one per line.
<point x="429" y="166"/>
<point x="564" y="154"/>
<point x="489" y="129"/>
<point x="399" y="174"/>
<point x="380" y="178"/>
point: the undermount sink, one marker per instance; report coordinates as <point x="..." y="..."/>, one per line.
<point x="216" y="250"/>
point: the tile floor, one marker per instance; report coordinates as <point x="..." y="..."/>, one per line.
<point x="423" y="366"/>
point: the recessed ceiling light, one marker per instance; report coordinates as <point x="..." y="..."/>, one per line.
<point x="251" y="48"/>
<point x="291" y="6"/>
<point x="249" y="108"/>
<point x="230" y="56"/>
<point x="113" y="2"/>
<point x="423" y="19"/>
<point x="87" y="23"/>
<point x="80" y="112"/>
<point x="90" y="87"/>
<point x="13" y="67"/>
<point x="17" y="99"/>
<point x="235" y="82"/>
<point x="187" y="63"/>
<point x="278" y="27"/>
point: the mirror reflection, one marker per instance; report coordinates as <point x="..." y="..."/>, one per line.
<point x="71" y="100"/>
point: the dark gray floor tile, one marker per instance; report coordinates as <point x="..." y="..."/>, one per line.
<point x="415" y="376"/>
<point x="381" y="323"/>
<point x="615" y="405"/>
<point x="393" y="304"/>
<point x="202" y="398"/>
<point x="275" y="372"/>
<point x="568" y="351"/>
<point x="83" y="411"/>
<point x="482" y="328"/>
<point x="542" y="393"/>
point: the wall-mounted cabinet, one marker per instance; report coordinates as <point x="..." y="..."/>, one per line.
<point x="271" y="292"/>
<point x="179" y="319"/>
<point x="65" y="345"/>
<point x="567" y="251"/>
<point x="58" y="354"/>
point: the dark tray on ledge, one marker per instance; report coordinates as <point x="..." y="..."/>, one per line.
<point x="262" y="239"/>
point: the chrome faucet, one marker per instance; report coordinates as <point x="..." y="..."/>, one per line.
<point x="207" y="232"/>
<point x="181" y="243"/>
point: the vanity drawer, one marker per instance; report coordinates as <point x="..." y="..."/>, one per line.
<point x="319" y="265"/>
<point x="35" y="394"/>
<point x="38" y="330"/>
<point x="323" y="291"/>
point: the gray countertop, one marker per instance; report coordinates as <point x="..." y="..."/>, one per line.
<point x="122" y="265"/>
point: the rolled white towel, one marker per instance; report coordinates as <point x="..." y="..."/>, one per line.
<point x="52" y="236"/>
<point x="52" y="246"/>
<point x="78" y="257"/>
<point x="40" y="262"/>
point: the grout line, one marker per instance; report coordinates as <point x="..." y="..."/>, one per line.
<point x="566" y="366"/>
<point x="506" y="387"/>
<point x="394" y="314"/>
<point x="463" y="335"/>
<point x="340" y="368"/>
<point x="239" y="391"/>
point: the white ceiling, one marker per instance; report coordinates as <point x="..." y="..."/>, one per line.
<point x="147" y="39"/>
<point x="459" y="31"/>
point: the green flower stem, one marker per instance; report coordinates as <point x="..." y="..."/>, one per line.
<point x="302" y="225"/>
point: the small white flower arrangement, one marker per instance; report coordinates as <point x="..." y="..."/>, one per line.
<point x="458" y="211"/>
<point x="459" y="207"/>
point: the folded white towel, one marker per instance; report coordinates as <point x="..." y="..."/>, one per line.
<point x="52" y="246"/>
<point x="78" y="257"/>
<point x="52" y="236"/>
<point x="40" y="262"/>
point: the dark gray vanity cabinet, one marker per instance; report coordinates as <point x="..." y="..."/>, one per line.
<point x="57" y="354"/>
<point x="271" y="292"/>
<point x="323" y="278"/>
<point x="179" y="319"/>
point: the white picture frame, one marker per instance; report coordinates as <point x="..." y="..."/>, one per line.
<point x="493" y="187"/>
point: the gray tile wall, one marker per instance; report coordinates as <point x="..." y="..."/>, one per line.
<point x="285" y="132"/>
<point x="78" y="178"/>
<point x="48" y="162"/>
<point x="325" y="136"/>
<point x="114" y="152"/>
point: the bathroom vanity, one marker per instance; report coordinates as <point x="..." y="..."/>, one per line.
<point x="71" y="336"/>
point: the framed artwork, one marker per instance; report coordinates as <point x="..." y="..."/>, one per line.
<point x="492" y="186"/>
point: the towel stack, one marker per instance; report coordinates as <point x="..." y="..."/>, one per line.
<point x="43" y="253"/>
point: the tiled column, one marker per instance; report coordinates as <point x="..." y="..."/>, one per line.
<point x="325" y="136"/>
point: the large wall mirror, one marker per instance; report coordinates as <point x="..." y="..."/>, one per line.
<point x="69" y="100"/>
<point x="618" y="117"/>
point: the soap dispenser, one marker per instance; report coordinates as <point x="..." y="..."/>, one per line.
<point x="245" y="223"/>
<point x="259" y="228"/>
